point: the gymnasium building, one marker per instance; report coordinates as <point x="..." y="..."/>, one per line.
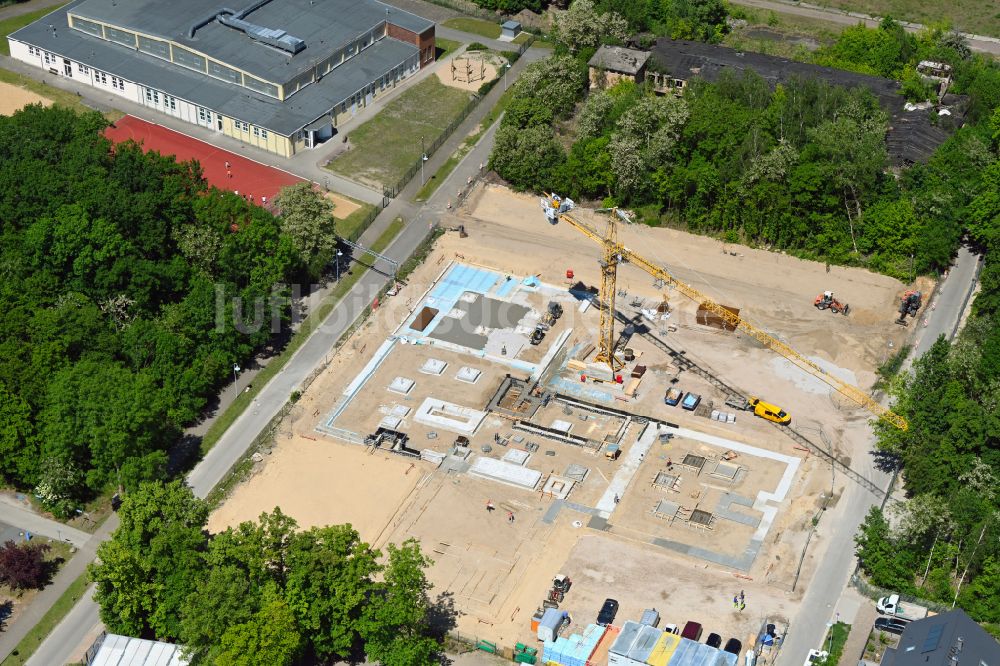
<point x="277" y="74"/>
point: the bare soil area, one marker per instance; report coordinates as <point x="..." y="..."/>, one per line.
<point x="498" y="571"/>
<point x="13" y="98"/>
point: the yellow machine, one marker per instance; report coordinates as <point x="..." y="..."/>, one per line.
<point x="557" y="209"/>
<point x="766" y="410"/>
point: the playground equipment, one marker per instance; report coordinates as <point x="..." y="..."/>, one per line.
<point x="469" y="68"/>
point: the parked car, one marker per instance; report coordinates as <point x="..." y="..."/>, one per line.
<point x="692" y="631"/>
<point x="713" y="640"/>
<point x="892" y="625"/>
<point x="670" y="629"/>
<point x="733" y="646"/>
<point x="815" y="656"/>
<point x="608" y="612"/>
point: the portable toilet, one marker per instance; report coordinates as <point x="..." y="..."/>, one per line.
<point x="551" y="622"/>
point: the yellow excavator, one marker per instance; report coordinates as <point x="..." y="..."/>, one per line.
<point x="557" y="210"/>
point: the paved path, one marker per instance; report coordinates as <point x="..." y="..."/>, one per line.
<point x="66" y="641"/>
<point x="832" y="575"/>
<point x="981" y="43"/>
<point x="18" y="516"/>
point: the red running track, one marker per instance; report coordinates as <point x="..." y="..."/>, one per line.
<point x="248" y="177"/>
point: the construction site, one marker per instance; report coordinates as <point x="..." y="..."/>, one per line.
<point x="565" y="407"/>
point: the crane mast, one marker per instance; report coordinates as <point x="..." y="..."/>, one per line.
<point x="557" y="209"/>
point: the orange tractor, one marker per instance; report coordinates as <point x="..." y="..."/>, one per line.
<point x="826" y="301"/>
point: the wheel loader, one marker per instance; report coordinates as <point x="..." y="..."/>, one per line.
<point x="827" y="301"/>
<point x="909" y="304"/>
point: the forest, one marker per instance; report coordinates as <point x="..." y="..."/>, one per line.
<point x="120" y="269"/>
<point x="801" y="168"/>
<point x="944" y="543"/>
<point x="264" y="592"/>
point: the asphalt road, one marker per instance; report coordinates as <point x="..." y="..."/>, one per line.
<point x="833" y="573"/>
<point x="83" y="620"/>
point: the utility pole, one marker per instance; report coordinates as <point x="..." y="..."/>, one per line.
<point x="423" y="158"/>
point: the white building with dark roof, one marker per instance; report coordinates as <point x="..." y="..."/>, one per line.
<point x="277" y="74"/>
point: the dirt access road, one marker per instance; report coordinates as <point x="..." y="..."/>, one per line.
<point x="980" y="43"/>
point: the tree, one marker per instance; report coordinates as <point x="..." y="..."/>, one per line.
<point x="979" y="597"/>
<point x="526" y="158"/>
<point x="557" y="80"/>
<point x="60" y="481"/>
<point x="329" y="586"/>
<point x="880" y="558"/>
<point x="398" y="633"/>
<point x="18" y="443"/>
<point x="583" y="27"/>
<point x="307" y="218"/>
<point x="150" y="567"/>
<point x="269" y="638"/>
<point x="23" y="566"/>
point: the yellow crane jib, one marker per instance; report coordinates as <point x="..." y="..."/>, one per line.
<point x="614" y="252"/>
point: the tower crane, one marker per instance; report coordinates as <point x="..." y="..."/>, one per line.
<point x="557" y="209"/>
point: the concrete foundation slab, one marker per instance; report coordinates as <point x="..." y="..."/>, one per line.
<point x="433" y="366"/>
<point x="505" y="472"/>
<point x="402" y="385"/>
<point x="448" y="415"/>
<point x="516" y="456"/>
<point x="468" y="375"/>
<point x="558" y="487"/>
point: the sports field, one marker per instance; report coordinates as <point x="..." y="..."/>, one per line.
<point x="247" y="176"/>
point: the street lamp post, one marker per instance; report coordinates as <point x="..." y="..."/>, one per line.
<point x="339" y="255"/>
<point x="505" y="76"/>
<point x="236" y="369"/>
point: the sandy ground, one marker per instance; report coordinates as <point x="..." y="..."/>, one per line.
<point x="497" y="572"/>
<point x="342" y="205"/>
<point x="474" y="70"/>
<point x="322" y="483"/>
<point x="13" y="98"/>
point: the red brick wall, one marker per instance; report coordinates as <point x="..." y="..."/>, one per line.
<point x="423" y="41"/>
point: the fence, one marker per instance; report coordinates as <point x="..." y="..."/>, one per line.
<point x="392" y="191"/>
<point x="876" y="592"/>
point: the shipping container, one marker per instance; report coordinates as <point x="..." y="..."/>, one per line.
<point x="550" y="624"/>
<point x="643" y="645"/>
<point x="619" y="649"/>
<point x="664" y="649"/>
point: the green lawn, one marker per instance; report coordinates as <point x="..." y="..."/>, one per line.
<point x="522" y="38"/>
<point x="442" y="173"/>
<point x="16" y="23"/>
<point x="385" y="147"/>
<point x="54" y="616"/>
<point x="442" y="47"/>
<point x="385" y="238"/>
<point x="475" y="27"/>
<point x="834" y="642"/>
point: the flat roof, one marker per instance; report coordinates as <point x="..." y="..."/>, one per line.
<point x="325" y="26"/>
<point x="619" y="59"/>
<point x="118" y="650"/>
<point x="233" y="101"/>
